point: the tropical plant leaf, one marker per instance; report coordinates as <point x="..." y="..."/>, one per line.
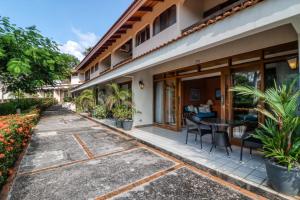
<point x="17" y="67"/>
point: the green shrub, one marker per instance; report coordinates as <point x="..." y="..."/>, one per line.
<point x="26" y="105"/>
<point x="100" y="111"/>
<point x="68" y="99"/>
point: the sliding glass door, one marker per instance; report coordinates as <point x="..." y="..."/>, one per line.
<point x="243" y="106"/>
<point x="159" y="102"/>
<point x="166" y="104"/>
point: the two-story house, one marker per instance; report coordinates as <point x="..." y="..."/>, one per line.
<point x="178" y="55"/>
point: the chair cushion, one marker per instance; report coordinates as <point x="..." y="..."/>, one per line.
<point x="205" y="114"/>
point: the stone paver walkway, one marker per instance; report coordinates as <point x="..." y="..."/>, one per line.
<point x="71" y="157"/>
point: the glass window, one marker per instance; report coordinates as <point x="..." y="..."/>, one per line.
<point x="165" y="106"/>
<point x="87" y="75"/>
<point x="165" y="20"/>
<point x="159" y="102"/>
<point x="170" y="108"/>
<point x="243" y="106"/>
<point x="96" y="67"/>
<point x="142" y="36"/>
<point x="279" y="72"/>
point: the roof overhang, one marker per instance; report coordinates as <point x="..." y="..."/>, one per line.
<point x="265" y="16"/>
<point x="133" y="14"/>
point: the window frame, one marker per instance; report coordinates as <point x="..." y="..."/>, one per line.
<point x="160" y="25"/>
<point x="87" y="75"/>
<point x="139" y="34"/>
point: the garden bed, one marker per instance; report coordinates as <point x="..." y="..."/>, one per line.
<point x="15" y="132"/>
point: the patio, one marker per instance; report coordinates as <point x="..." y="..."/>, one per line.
<point x="250" y="169"/>
<point x="250" y="172"/>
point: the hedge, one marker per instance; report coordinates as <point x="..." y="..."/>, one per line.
<point x="15" y="132"/>
<point x="25" y="105"/>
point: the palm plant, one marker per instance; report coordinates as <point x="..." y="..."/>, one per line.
<point x="279" y="133"/>
<point x="118" y="96"/>
<point x="85" y="101"/>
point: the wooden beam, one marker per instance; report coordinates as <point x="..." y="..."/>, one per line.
<point x="116" y="36"/>
<point x="111" y="40"/>
<point x="134" y="19"/>
<point x="146" y="9"/>
<point x="121" y="31"/>
<point x="126" y="26"/>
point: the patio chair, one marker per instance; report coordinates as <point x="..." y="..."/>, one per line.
<point x="195" y="128"/>
<point x="249" y="141"/>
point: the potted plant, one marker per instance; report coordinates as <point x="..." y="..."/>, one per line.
<point x="128" y="118"/>
<point x="119" y="113"/>
<point x="100" y="112"/>
<point x="279" y="134"/>
<point x="117" y="101"/>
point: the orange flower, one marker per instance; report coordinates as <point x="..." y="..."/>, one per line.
<point x="20" y="130"/>
<point x="2" y="155"/>
<point x="9" y="148"/>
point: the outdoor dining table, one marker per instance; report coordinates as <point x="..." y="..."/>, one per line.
<point x="219" y="129"/>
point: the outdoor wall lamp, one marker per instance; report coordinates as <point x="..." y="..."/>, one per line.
<point x="141" y="84"/>
<point x="293" y="62"/>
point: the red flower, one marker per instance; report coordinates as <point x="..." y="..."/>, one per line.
<point x="9" y="148"/>
<point x="2" y="155"/>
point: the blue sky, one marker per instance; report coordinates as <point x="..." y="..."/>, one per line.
<point x="75" y="24"/>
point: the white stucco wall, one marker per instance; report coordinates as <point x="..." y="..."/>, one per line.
<point x="74" y="80"/>
<point x="119" y="56"/>
<point x="143" y="98"/>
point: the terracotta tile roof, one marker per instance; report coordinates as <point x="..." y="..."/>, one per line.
<point x="193" y="29"/>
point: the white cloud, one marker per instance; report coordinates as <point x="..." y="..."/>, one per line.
<point x="76" y="48"/>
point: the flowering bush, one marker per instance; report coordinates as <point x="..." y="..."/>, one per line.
<point x="15" y="132"/>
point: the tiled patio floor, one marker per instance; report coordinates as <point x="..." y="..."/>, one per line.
<point x="250" y="170"/>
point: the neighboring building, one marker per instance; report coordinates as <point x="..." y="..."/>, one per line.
<point x="61" y="90"/>
<point x="178" y="53"/>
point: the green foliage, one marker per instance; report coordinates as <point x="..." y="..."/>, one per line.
<point x="120" y="112"/>
<point x="86" y="101"/>
<point x="28" y="60"/>
<point x="100" y="111"/>
<point x="25" y="105"/>
<point x="118" y="96"/>
<point x="68" y="99"/>
<point x="124" y="112"/>
<point x="280" y="132"/>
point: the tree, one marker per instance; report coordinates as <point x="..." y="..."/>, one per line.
<point x="86" y="101"/>
<point x="28" y="60"/>
<point x="87" y="50"/>
<point x="118" y="96"/>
